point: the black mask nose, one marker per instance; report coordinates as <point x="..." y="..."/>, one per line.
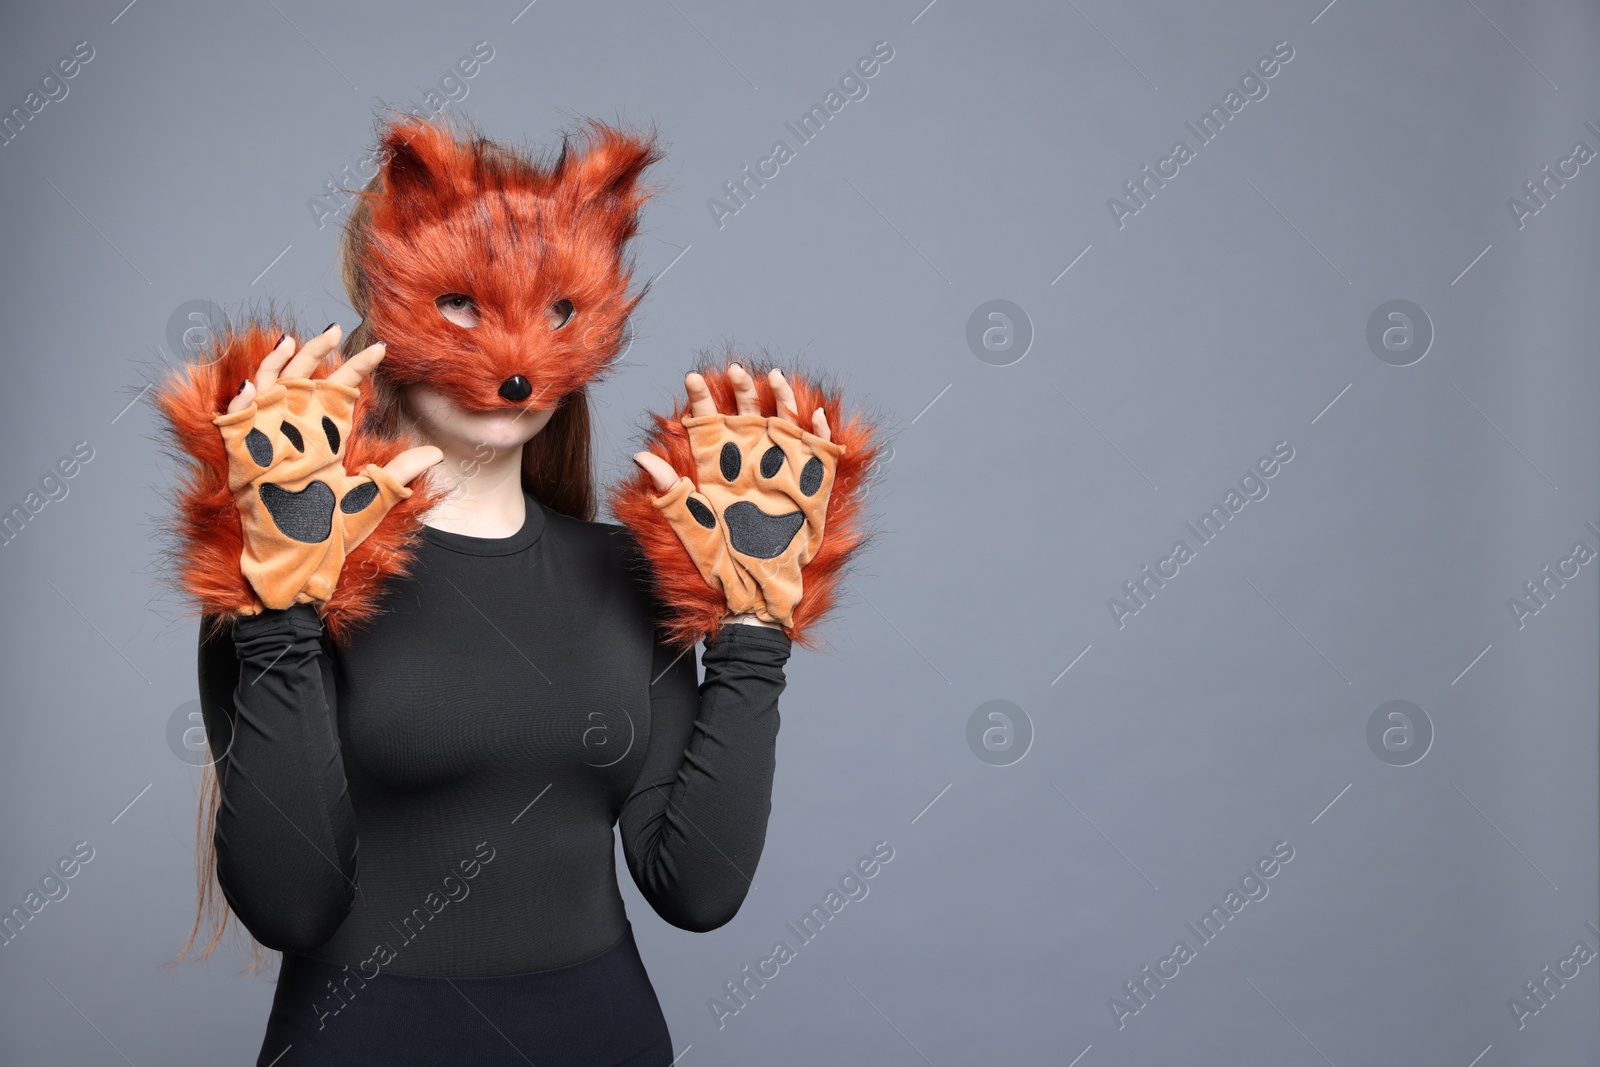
<point x="516" y="389"/>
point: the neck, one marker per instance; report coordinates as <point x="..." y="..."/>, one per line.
<point x="483" y="491"/>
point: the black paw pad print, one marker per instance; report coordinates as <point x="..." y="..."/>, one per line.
<point x="754" y="532"/>
<point x="307" y="515"/>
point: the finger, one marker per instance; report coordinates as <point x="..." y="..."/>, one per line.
<point x="744" y="390"/>
<point x="660" y="470"/>
<point x="242" y="401"/>
<point x="272" y="366"/>
<point x="787" y="408"/>
<point x="305" y="361"/>
<point x="819" y="424"/>
<point x="412" y="462"/>
<point x="358" y="366"/>
<point x="700" y="402"/>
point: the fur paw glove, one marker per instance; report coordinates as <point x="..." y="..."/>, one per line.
<point x="262" y="512"/>
<point x="765" y="515"/>
<point x="301" y="513"/>
<point x="755" y="512"/>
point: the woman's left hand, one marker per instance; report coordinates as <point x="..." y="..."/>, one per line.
<point x="752" y="553"/>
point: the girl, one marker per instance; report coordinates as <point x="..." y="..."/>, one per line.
<point x="431" y="696"/>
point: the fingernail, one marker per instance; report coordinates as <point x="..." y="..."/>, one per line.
<point x="328" y="327"/>
<point x="242" y="384"/>
<point x="736" y="365"/>
<point x="279" y="341"/>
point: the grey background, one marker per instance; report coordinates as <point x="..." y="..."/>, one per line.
<point x="1226" y="316"/>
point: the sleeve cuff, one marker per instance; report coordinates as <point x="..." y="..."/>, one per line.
<point x="297" y="620"/>
<point x="767" y="645"/>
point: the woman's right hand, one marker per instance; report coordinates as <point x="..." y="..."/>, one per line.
<point x="285" y="362"/>
<point x="301" y="512"/>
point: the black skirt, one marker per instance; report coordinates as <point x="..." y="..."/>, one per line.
<point x="599" y="1012"/>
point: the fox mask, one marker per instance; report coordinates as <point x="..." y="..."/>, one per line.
<point x="494" y="279"/>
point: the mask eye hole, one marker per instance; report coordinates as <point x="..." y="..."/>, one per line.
<point x="459" y="308"/>
<point x="561" y="313"/>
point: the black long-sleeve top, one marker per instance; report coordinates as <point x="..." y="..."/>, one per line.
<point x="444" y="786"/>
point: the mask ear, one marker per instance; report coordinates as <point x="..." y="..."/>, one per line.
<point x="425" y="173"/>
<point x="604" y="176"/>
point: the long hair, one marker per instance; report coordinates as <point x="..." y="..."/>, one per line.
<point x="211" y="910"/>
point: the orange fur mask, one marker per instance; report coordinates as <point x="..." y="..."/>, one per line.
<point x="538" y="251"/>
